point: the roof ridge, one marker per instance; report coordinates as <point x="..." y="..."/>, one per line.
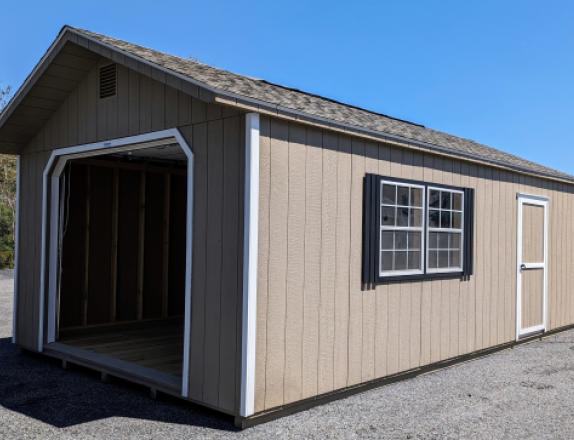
<point x="335" y="101"/>
<point x="261" y="80"/>
<point x="317" y="106"/>
<point x="262" y="95"/>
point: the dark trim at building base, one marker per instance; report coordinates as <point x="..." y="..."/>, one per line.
<point x="302" y="405"/>
<point x="127" y="375"/>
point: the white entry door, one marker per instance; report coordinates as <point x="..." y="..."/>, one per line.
<point x="532" y="257"/>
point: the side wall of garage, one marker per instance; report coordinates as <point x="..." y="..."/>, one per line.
<point x="317" y="330"/>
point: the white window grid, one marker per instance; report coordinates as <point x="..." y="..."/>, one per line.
<point x="387" y="273"/>
<point x="446" y="230"/>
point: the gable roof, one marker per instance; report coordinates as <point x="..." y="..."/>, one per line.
<point x="260" y="95"/>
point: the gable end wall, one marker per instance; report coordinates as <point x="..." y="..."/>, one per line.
<point x="216" y="135"/>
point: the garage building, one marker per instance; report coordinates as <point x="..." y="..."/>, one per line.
<point x="257" y="249"/>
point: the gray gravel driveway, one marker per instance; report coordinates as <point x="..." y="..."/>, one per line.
<point x="525" y="392"/>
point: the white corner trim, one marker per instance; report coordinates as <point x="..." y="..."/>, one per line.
<point x="250" y="254"/>
<point x="16" y="247"/>
<point x="50" y="193"/>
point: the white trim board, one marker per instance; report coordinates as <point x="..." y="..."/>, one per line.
<point x="250" y="254"/>
<point x="51" y="179"/>
<point x="528" y="199"/>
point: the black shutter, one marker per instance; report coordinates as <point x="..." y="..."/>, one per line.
<point x="370" y="236"/>
<point x="468" y="264"/>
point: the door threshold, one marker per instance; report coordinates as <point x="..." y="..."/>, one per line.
<point x="129" y="371"/>
<point x="531" y="333"/>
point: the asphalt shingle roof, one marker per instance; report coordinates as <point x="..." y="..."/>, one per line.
<point x="324" y="108"/>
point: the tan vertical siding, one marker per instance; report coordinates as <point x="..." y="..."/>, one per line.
<point x="263" y="264"/>
<point x="342" y="335"/>
<point x="556" y="258"/>
<point x="232" y="268"/>
<point x="460" y="179"/>
<point x="278" y="208"/>
<point x="325" y="366"/>
<point x="312" y="289"/>
<point x="295" y="264"/>
<point x="216" y="136"/>
<point x="214" y="254"/>
<point x="570" y="249"/>
<point x="355" y="344"/>
<point x="342" y="263"/>
<point x="30" y="214"/>
<point x="564" y="269"/>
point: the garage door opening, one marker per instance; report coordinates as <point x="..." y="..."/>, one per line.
<point x="118" y="291"/>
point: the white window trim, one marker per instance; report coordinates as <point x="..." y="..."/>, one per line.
<point x="461" y="231"/>
<point x="398" y="273"/>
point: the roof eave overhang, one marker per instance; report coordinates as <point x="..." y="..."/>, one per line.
<point x="249" y="104"/>
<point x="33" y="77"/>
<point x="68" y="34"/>
<point x="207" y="93"/>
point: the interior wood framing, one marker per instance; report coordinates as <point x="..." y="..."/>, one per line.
<point x="123" y="265"/>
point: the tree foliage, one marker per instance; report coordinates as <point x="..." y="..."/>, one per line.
<point x="7" y="199"/>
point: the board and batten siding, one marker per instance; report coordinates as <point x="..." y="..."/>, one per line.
<point x="317" y="331"/>
<point x="216" y="136"/>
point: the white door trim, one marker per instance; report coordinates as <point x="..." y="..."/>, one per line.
<point x="50" y="193"/>
<point x="528" y="199"/>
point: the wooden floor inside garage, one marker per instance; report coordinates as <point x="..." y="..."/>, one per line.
<point x="149" y="351"/>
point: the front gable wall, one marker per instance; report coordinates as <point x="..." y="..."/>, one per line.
<point x="216" y="136"/>
<point x="142" y="104"/>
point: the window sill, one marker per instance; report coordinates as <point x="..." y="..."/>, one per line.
<point x="421" y="277"/>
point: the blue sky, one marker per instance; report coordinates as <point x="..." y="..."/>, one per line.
<point x="498" y="72"/>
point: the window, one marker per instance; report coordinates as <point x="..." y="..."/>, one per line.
<point x="415" y="230"/>
<point x="445" y="230"/>
<point x="401" y="228"/>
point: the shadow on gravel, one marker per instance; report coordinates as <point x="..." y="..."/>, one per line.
<point x="38" y="387"/>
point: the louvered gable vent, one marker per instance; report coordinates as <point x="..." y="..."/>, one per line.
<point x="108" y="81"/>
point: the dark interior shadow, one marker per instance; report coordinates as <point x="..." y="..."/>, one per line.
<point x="38" y="387"/>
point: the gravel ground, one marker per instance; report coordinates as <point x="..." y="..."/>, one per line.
<point x="525" y="392"/>
<point x="6" y="291"/>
